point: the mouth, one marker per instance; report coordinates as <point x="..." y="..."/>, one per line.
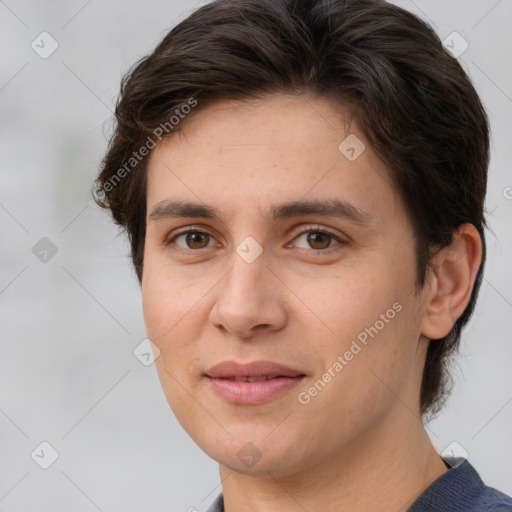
<point x="253" y="383"/>
<point x="252" y="379"/>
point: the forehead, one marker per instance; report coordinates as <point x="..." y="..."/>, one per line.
<point x="237" y="154"/>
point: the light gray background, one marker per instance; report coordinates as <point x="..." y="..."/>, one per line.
<point x="69" y="326"/>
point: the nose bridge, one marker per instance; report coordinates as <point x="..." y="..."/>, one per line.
<point x="248" y="265"/>
<point x="247" y="297"/>
<point x="248" y="278"/>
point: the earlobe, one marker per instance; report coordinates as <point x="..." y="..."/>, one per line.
<point x="451" y="281"/>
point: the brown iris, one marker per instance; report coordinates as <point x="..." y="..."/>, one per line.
<point x="316" y="242"/>
<point x="194" y="240"/>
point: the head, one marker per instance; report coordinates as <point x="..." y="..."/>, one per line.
<point x="249" y="107"/>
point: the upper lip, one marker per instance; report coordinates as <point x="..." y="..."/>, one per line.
<point x="229" y="369"/>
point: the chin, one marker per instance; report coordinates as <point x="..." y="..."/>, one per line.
<point x="262" y="456"/>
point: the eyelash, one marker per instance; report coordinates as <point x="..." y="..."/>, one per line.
<point x="310" y="229"/>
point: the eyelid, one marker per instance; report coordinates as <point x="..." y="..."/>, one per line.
<point x="317" y="229"/>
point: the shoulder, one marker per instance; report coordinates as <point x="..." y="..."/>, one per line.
<point x="487" y="499"/>
<point x="461" y="489"/>
<point x="492" y="500"/>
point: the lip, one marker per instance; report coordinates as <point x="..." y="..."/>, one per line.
<point x="232" y="369"/>
<point x="281" y="379"/>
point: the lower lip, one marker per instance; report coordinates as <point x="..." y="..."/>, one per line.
<point x="253" y="393"/>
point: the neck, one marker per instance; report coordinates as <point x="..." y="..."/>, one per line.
<point x="384" y="470"/>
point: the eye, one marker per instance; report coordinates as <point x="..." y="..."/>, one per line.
<point x="317" y="239"/>
<point x="314" y="238"/>
<point x="192" y="240"/>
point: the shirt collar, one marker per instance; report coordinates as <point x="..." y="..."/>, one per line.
<point x="454" y="490"/>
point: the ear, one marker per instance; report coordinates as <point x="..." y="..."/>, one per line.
<point x="450" y="282"/>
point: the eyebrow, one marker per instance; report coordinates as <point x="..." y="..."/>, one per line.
<point x="330" y="207"/>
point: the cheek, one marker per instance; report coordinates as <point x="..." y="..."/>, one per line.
<point x="369" y="380"/>
<point x="370" y="320"/>
<point x="166" y="297"/>
<point x="169" y="327"/>
<point x="382" y="353"/>
<point x="157" y="306"/>
<point x="162" y="309"/>
<point x="347" y="304"/>
<point x="174" y="316"/>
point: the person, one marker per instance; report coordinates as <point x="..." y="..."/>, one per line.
<point x="302" y="183"/>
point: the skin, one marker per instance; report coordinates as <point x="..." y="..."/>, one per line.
<point x="359" y="444"/>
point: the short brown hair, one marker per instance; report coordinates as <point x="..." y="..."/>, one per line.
<point x="412" y="99"/>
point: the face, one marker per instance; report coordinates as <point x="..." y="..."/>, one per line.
<point x="294" y="262"/>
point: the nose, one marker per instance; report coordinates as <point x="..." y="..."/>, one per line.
<point x="249" y="301"/>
